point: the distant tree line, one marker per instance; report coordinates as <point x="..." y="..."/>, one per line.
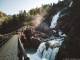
<point x="13" y="22"/>
<point x="40" y="10"/>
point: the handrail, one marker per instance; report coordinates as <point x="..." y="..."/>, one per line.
<point x="22" y="50"/>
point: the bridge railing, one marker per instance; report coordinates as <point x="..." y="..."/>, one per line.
<point x="21" y="51"/>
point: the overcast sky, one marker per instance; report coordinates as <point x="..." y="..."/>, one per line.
<point x="14" y="6"/>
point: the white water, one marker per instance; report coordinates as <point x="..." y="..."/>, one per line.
<point x="54" y="23"/>
<point x="50" y="53"/>
<point x="54" y="20"/>
<point x="55" y="43"/>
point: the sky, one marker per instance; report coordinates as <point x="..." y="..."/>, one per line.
<point x="11" y="7"/>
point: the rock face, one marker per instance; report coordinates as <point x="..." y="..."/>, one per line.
<point x="70" y="24"/>
<point x="54" y="9"/>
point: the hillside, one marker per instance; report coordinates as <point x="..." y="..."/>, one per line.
<point x="10" y="23"/>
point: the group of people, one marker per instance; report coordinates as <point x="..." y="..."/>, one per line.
<point x="30" y="38"/>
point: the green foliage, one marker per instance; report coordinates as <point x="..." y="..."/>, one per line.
<point x="12" y="22"/>
<point x="22" y="15"/>
<point x="46" y="7"/>
<point x="40" y="10"/>
<point x="34" y="11"/>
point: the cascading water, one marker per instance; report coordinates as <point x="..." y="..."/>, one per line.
<point x="54" y="20"/>
<point x="49" y="51"/>
<point x="47" y="54"/>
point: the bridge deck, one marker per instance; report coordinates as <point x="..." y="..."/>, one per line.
<point x="9" y="50"/>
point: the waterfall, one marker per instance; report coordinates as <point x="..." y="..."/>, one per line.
<point x="54" y="23"/>
<point x="54" y="20"/>
<point x="49" y="51"/>
<point x="47" y="54"/>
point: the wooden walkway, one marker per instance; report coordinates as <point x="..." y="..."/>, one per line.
<point x="9" y="50"/>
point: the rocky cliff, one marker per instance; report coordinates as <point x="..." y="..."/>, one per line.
<point x="70" y="24"/>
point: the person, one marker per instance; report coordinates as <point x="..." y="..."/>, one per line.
<point x="28" y="34"/>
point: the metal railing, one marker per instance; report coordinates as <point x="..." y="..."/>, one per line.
<point x="22" y="54"/>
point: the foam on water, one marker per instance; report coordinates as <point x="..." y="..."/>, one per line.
<point x="55" y="43"/>
<point x="54" y="20"/>
<point x="49" y="54"/>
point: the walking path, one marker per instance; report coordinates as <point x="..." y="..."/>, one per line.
<point x="9" y="50"/>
